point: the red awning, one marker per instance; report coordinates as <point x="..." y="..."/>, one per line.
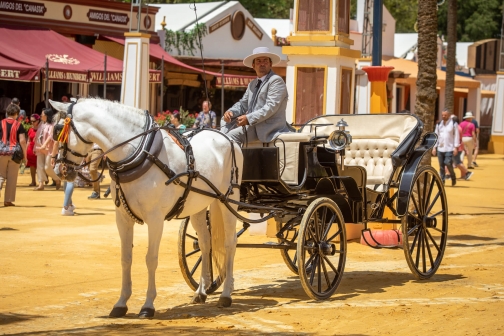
<point x="159" y="53"/>
<point x="12" y="70"/>
<point x="69" y="61"/>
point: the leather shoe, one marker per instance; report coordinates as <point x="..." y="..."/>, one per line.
<point x="7" y="204"/>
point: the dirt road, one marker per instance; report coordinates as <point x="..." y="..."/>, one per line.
<point x="61" y="275"/>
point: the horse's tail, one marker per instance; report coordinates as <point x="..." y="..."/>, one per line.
<point x="218" y="238"/>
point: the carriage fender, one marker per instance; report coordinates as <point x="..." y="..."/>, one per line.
<point x="408" y="175"/>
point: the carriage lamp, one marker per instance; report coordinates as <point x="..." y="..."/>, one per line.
<point x="340" y="139"/>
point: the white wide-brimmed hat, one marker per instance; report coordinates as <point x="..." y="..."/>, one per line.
<point x="468" y="115"/>
<point x="261" y="52"/>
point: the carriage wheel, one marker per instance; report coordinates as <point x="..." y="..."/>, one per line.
<point x="190" y="258"/>
<point x="290" y="256"/>
<point x="321" y="248"/>
<point x="425" y="226"/>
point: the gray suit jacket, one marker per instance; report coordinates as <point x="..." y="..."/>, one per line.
<point x="267" y="113"/>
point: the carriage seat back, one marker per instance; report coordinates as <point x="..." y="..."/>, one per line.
<point x="289" y="154"/>
<point x="379" y="141"/>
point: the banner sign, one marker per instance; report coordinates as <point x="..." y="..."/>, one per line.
<point x="18" y="75"/>
<point x="107" y="17"/>
<point x="236" y="81"/>
<point x="116" y="77"/>
<point x="66" y="76"/>
<point x="254" y="29"/>
<point x="219" y="24"/>
<point x="23" y="7"/>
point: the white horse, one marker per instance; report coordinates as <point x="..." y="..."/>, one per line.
<point x="108" y="124"/>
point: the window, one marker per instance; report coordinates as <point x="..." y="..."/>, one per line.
<point x="344" y="17"/>
<point x="346" y="91"/>
<point x="310" y="93"/>
<point x="314" y="15"/>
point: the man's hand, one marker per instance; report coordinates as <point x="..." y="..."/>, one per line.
<point x="434" y="151"/>
<point x="227" y="116"/>
<point x="242" y="120"/>
<point x="455" y="151"/>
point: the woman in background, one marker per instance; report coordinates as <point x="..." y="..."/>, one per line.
<point x="30" y="154"/>
<point x="43" y="147"/>
<point x="175" y="120"/>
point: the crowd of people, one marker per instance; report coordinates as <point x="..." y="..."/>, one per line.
<point x="39" y="152"/>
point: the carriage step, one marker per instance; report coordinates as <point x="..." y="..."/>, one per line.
<point x="269" y="245"/>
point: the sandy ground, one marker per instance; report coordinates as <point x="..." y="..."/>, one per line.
<point x="61" y="275"/>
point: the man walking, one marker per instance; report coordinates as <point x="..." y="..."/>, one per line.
<point x="262" y="109"/>
<point x="207" y="117"/>
<point x="447" y="144"/>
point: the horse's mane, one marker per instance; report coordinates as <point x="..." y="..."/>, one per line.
<point x="111" y="107"/>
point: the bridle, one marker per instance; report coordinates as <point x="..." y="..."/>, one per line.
<point x="60" y="134"/>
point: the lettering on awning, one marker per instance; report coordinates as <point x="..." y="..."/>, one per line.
<point x="155" y="77"/>
<point x="23" y="7"/>
<point x="108" y="17"/>
<point x="67" y="76"/>
<point x="257" y="32"/>
<point x="236" y="81"/>
<point x="219" y="24"/>
<point x="13" y="74"/>
<point x="112" y="77"/>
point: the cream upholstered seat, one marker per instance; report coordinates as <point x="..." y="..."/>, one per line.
<point x="375" y="138"/>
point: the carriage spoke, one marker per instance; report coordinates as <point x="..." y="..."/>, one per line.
<point x="334" y="235"/>
<point x="190" y="236"/>
<point x="313" y="270"/>
<point x="414" y="241"/>
<point x="433" y="241"/>
<point x="429" y="194"/>
<point x="326" y="275"/>
<point x="439" y="230"/>
<point x="196" y="266"/>
<point x="294" y="259"/>
<point x="433" y="202"/>
<point x="413" y="229"/>
<point x="310" y="260"/>
<point x="329" y="225"/>
<point x="425" y="182"/>
<point x="437" y="213"/>
<point x="416" y="205"/>
<point x="419" y="193"/>
<point x="331" y="265"/>
<point x="192" y="252"/>
<point x="429" y="250"/>
<point x="423" y="252"/>
<point x="319" y="275"/>
<point x="419" y="247"/>
<point x="414" y="216"/>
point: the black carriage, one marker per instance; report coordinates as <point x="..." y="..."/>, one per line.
<point x="332" y="175"/>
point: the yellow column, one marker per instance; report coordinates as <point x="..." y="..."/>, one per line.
<point x="378" y="76"/>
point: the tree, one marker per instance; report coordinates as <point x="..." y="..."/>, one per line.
<point x="404" y="12"/>
<point x="477" y="20"/>
<point x="427" y="54"/>
<point x="451" y="55"/>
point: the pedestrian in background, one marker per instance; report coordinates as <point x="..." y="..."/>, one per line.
<point x="43" y="146"/>
<point x="8" y="168"/>
<point x="446" y="146"/>
<point x="4" y="103"/>
<point x="457" y="159"/>
<point x="22" y="113"/>
<point x="476" y="142"/>
<point x="468" y="137"/>
<point x="207" y="117"/>
<point x="30" y="154"/>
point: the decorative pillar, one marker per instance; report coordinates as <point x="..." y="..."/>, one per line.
<point x="496" y="144"/>
<point x="378" y="76"/>
<point x="135" y="79"/>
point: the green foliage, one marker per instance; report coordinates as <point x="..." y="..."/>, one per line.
<point x="476" y="19"/>
<point x="404" y="12"/>
<point x="186" y="42"/>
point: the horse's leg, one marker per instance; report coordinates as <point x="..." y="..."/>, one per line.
<point x="224" y="247"/>
<point x="198" y="221"/>
<point x="125" y="228"/>
<point x="155" y="230"/>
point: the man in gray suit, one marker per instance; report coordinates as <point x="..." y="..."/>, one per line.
<point x="261" y="111"/>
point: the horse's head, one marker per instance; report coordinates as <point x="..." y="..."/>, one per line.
<point x="73" y="147"/>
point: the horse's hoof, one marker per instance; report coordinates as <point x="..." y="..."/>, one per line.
<point x="224" y="302"/>
<point x="146" y="313"/>
<point x="198" y="298"/>
<point x="118" y="312"/>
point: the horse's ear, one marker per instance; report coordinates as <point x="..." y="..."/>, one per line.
<point x="61" y="107"/>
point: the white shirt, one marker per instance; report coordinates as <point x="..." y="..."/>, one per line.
<point x="448" y="136"/>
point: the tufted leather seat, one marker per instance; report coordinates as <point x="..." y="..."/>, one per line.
<point x="375" y="138"/>
<point x="374" y="155"/>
